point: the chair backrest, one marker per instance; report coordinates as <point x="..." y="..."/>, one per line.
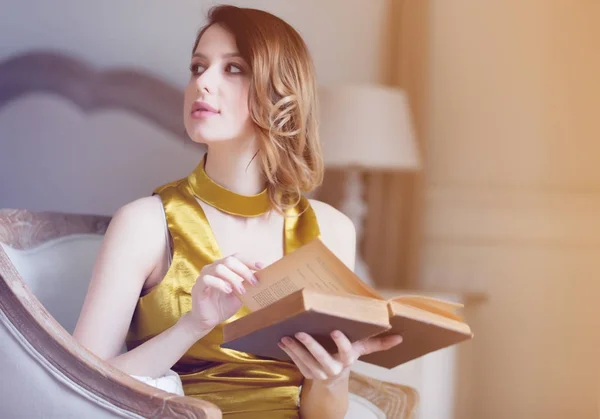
<point x="54" y="254"/>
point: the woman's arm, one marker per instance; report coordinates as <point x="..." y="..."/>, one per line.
<point x="320" y="398"/>
<point x="325" y="389"/>
<point x="157" y="355"/>
<point x="131" y="250"/>
<point x="322" y="401"/>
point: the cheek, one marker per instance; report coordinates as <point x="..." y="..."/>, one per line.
<point x="242" y="111"/>
<point x="240" y="124"/>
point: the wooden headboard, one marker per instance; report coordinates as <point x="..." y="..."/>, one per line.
<point x="90" y="89"/>
<point x="79" y="139"/>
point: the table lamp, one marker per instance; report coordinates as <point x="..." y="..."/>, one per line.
<point x="365" y="127"/>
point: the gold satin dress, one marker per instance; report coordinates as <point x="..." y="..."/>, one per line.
<point x="243" y="386"/>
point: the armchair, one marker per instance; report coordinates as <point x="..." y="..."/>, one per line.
<point x="45" y="262"/>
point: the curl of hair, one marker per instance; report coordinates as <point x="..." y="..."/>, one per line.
<point x="282" y="101"/>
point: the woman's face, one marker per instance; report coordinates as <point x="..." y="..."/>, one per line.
<point x="216" y="98"/>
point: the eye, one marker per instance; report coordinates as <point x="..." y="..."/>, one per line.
<point x="197" y="69"/>
<point x="234" y="68"/>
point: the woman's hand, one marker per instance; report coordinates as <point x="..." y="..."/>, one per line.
<point x="213" y="299"/>
<point x="315" y="363"/>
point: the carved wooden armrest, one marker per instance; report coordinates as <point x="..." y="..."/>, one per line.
<point x="62" y="355"/>
<point x="395" y="400"/>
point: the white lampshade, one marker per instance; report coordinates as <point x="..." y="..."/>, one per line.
<point x="367" y="126"/>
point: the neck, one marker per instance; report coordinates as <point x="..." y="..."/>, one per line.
<point x="235" y="168"/>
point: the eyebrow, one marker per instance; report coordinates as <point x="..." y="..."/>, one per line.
<point x="228" y="55"/>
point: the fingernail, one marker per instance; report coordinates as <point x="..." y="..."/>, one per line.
<point x="336" y="334"/>
<point x="281" y="344"/>
<point x="300" y="336"/>
<point x="242" y="290"/>
<point x="259" y="265"/>
<point x="254" y="280"/>
<point x="228" y="289"/>
<point x="286" y="341"/>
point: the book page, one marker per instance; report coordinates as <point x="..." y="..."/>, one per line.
<point x="434" y="305"/>
<point x="312" y="266"/>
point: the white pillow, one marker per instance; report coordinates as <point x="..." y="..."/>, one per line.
<point x="170" y="382"/>
<point x="361" y="408"/>
<point x="58" y="273"/>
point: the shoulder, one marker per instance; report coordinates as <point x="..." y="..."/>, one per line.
<point x="332" y="218"/>
<point x="337" y="231"/>
<point x="132" y="248"/>
<point x="142" y="211"/>
<point x="141" y="221"/>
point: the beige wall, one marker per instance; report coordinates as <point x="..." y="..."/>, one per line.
<point x="512" y="197"/>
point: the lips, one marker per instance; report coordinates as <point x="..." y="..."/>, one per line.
<point x="203" y="107"/>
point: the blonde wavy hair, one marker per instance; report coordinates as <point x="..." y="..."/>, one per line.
<point x="282" y="101"/>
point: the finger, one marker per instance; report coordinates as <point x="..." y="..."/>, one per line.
<point x="302" y="354"/>
<point x="241" y="269"/>
<point x="304" y="370"/>
<point x="378" y="344"/>
<point x="217" y="283"/>
<point x="250" y="263"/>
<point x="346" y="352"/>
<point x="324" y="359"/>
<point x="231" y="277"/>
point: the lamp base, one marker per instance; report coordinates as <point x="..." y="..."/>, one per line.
<point x="354" y="207"/>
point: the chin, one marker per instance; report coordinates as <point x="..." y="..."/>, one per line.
<point x="201" y="133"/>
<point x="206" y="135"/>
<point x="203" y="137"/>
<point x="210" y="132"/>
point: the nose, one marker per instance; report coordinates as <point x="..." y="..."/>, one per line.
<point x="208" y="81"/>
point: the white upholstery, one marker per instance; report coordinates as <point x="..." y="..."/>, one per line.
<point x="361" y="408"/>
<point x="58" y="273"/>
<point x="22" y="368"/>
<point x="170" y="382"/>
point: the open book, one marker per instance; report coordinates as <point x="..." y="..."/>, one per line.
<point x="310" y="290"/>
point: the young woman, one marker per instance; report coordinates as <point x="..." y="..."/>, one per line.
<point x="169" y="263"/>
